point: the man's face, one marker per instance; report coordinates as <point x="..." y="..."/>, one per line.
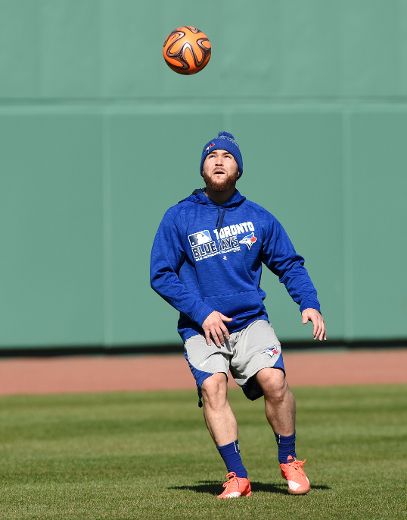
<point x="220" y="170"/>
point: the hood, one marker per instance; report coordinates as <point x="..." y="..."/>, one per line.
<point x="198" y="197"/>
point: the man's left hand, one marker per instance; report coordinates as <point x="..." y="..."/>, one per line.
<point x="313" y="315"/>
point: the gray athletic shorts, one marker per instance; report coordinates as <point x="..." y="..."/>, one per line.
<point x="244" y="354"/>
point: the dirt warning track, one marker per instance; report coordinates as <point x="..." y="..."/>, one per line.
<point x="129" y="373"/>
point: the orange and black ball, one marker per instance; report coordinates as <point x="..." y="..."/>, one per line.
<point x="187" y="50"/>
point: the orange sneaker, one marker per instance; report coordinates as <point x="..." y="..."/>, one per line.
<point x="298" y="483"/>
<point x="236" y="487"/>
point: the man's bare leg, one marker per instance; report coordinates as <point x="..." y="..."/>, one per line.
<point x="222" y="426"/>
<point x="280" y="412"/>
<point x="278" y="400"/>
<point x="219" y="417"/>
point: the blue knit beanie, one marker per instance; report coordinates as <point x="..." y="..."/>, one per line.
<point x="224" y="141"/>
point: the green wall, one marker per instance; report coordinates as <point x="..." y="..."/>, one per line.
<point x="98" y="137"/>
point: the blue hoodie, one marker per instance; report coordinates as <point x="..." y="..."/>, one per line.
<point x="209" y="256"/>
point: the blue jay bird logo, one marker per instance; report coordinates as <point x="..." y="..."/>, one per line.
<point x="249" y="240"/>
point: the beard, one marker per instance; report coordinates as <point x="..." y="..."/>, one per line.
<point x="221" y="184"/>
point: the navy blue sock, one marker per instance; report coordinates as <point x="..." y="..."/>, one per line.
<point x="286" y="447"/>
<point x="230" y="454"/>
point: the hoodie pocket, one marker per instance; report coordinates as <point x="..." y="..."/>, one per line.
<point x="244" y="304"/>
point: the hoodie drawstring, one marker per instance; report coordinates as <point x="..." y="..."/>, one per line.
<point x="221" y="214"/>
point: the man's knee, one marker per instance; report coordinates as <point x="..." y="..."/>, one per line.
<point x="214" y="390"/>
<point x="273" y="384"/>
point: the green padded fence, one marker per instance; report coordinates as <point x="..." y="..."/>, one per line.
<point x="99" y="137"/>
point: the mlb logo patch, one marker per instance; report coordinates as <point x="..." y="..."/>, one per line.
<point x="199" y="238"/>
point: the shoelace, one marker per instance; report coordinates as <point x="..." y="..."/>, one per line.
<point x="296" y="465"/>
<point x="231" y="477"/>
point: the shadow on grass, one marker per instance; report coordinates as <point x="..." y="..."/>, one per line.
<point x="213" y="487"/>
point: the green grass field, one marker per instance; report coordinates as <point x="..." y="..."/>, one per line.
<point x="148" y="455"/>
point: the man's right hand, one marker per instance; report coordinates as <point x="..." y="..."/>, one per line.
<point x="214" y="326"/>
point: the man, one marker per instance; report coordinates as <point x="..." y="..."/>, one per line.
<point x="206" y="262"/>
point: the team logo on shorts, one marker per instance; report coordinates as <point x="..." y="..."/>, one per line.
<point x="249" y="240"/>
<point x="272" y="351"/>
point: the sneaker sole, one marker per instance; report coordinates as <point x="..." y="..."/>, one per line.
<point x="235" y="494"/>
<point x="299" y="492"/>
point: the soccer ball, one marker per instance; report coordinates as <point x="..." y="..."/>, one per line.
<point x="187" y="50"/>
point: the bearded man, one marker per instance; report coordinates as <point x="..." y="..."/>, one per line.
<point x="206" y="261"/>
